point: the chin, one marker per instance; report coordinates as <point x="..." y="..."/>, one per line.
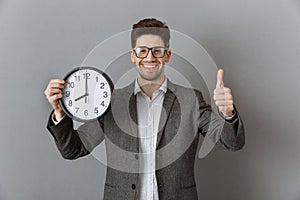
<point x="150" y="78"/>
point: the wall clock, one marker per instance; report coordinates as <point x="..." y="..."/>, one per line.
<point x="87" y="93"/>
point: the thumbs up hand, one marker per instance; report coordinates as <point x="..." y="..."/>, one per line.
<point x="222" y="96"/>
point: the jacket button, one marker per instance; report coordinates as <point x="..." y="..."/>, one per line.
<point x="136" y="156"/>
<point x="133" y="186"/>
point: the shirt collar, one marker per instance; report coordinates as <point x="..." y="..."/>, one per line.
<point x="137" y="87"/>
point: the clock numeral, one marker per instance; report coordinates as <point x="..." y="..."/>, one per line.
<point x="70" y="103"/>
<point x="97" y="79"/>
<point x="86" y="75"/>
<point x="77" y="108"/>
<point x="105" y="94"/>
<point x="70" y="84"/>
<point x="86" y="113"/>
<point x="67" y="93"/>
<point x="77" y="78"/>
<point x="102" y="103"/>
<point x="101" y="85"/>
<point x="96" y="111"/>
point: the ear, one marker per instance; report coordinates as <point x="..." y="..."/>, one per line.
<point x="168" y="55"/>
<point x="132" y="56"/>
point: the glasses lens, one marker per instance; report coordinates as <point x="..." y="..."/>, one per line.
<point x="141" y="52"/>
<point x="158" y="52"/>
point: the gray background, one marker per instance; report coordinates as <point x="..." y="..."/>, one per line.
<point x="256" y="42"/>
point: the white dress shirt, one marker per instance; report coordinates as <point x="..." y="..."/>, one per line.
<point x="148" y="116"/>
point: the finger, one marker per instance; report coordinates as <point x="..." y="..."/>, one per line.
<point x="223" y="97"/>
<point x="223" y="90"/>
<point x="56" y="85"/>
<point x="220" y="79"/>
<point x="54" y="91"/>
<point x="61" y="81"/>
<point x="224" y="103"/>
<point x="50" y="90"/>
<point x="53" y="100"/>
<point x="55" y="97"/>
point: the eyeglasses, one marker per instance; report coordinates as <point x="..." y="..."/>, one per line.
<point x="157" y="52"/>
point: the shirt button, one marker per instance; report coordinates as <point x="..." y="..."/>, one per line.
<point x="133" y="186"/>
<point x="136" y="156"/>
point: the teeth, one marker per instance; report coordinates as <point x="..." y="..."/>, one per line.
<point x="150" y="66"/>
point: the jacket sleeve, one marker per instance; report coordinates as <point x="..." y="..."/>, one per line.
<point x="228" y="133"/>
<point x="71" y="143"/>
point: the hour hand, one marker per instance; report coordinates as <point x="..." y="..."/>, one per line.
<point x="81" y="97"/>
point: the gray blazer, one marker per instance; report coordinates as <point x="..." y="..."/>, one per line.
<point x="184" y="116"/>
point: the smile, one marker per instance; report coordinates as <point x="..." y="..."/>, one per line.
<point x="150" y="66"/>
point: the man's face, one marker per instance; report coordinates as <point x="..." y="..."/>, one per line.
<point x="150" y="68"/>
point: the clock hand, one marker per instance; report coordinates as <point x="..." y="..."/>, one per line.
<point x="86" y="88"/>
<point x="81" y="97"/>
<point x="85" y="100"/>
<point x="86" y="84"/>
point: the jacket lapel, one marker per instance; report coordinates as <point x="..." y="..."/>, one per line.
<point x="133" y="114"/>
<point x="165" y="112"/>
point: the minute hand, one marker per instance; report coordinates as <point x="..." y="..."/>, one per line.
<point x="86" y="84"/>
<point x="86" y="88"/>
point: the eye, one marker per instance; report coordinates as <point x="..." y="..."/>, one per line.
<point x="143" y="50"/>
<point x="158" y="51"/>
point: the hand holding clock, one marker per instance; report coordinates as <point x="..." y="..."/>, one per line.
<point x="53" y="93"/>
<point x="84" y="82"/>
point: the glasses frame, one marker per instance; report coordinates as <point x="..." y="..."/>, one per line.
<point x="150" y="49"/>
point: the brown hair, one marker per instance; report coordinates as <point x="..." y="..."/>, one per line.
<point x="150" y="26"/>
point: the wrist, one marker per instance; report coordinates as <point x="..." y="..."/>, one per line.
<point x="58" y="115"/>
<point x="229" y="115"/>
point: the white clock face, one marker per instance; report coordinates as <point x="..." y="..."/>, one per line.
<point x="87" y="94"/>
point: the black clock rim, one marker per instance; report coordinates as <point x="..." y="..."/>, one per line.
<point x="110" y="83"/>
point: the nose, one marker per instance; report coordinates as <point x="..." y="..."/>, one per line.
<point x="150" y="57"/>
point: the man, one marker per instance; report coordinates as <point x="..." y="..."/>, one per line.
<point x="155" y="120"/>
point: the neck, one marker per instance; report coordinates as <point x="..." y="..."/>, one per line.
<point x="148" y="87"/>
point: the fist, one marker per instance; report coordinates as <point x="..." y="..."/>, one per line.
<point x="53" y="93"/>
<point x="223" y="97"/>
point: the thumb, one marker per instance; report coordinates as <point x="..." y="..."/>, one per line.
<point x="220" y="78"/>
